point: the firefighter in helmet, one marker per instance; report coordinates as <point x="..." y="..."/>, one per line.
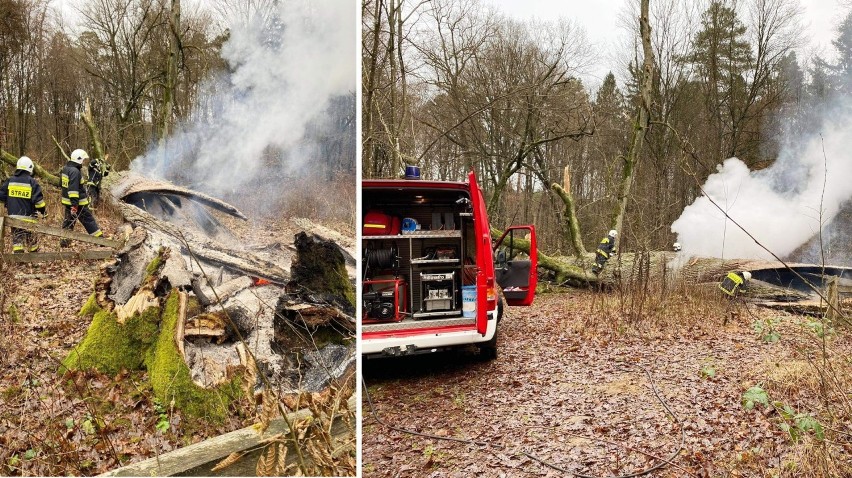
<point x="734" y="281"/>
<point x="24" y="199"/>
<point x="605" y="249"/>
<point x="75" y="199"/>
<point x="98" y="170"/>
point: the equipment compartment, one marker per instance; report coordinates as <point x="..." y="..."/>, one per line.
<point x="430" y="258"/>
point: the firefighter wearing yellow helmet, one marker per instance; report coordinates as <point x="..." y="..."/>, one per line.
<point x="24" y="200"/>
<point x="75" y="199"/>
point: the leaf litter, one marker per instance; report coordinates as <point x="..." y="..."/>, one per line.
<point x="575" y="397"/>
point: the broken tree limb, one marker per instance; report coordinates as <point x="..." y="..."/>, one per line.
<point x="59" y="148"/>
<point x="206" y="249"/>
<point x="94" y="133"/>
<point x="63" y="233"/>
<point x="208" y="294"/>
<point x="572" y="224"/>
<point x="38" y="171"/>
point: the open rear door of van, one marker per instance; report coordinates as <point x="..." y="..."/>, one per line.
<point x="515" y="263"/>
<point x="484" y="256"/>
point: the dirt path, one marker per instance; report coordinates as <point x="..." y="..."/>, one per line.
<point x="556" y="395"/>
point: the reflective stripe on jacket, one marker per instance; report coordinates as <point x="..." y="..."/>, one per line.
<point x="22" y="194"/>
<point x="73" y="192"/>
<point x="605" y="247"/>
<point x="731" y="283"/>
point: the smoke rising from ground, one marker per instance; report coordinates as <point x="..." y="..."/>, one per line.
<point x="779" y="206"/>
<point x="258" y="123"/>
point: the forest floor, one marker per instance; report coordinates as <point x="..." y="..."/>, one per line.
<point x="570" y="388"/>
<point x="86" y="423"/>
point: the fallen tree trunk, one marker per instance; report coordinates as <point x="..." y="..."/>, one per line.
<point x="664" y="267"/>
<point x="38" y="171"/>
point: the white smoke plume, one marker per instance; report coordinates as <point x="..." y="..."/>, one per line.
<point x="779" y="206"/>
<point x="252" y="123"/>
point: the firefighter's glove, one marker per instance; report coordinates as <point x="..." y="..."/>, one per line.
<point x="75" y="210"/>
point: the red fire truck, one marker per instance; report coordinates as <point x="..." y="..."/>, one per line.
<point x="432" y="276"/>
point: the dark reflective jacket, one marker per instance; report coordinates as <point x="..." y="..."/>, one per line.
<point x="73" y="192"/>
<point x="732" y="282"/>
<point x="606" y="247"/>
<point x="22" y="195"/>
<point x="98" y="169"/>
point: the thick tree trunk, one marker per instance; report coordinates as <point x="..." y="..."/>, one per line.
<point x="240" y="310"/>
<point x="170" y="83"/>
<point x="94" y="133"/>
<point x="640" y="128"/>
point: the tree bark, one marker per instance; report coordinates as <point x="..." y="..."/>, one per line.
<point x="170" y="82"/>
<point x="640" y="128"/>
<point x="571" y="223"/>
<point x="94" y="133"/>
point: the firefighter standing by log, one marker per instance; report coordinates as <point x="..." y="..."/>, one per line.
<point x="75" y="199"/>
<point x="24" y="199"/>
<point x="98" y="170"/>
<point x="605" y="249"/>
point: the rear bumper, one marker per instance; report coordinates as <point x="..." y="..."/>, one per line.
<point x="427" y="342"/>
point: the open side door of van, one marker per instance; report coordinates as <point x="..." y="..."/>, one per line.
<point x="484" y="259"/>
<point x="515" y="263"/>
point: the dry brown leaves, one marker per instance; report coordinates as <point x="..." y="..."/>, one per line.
<point x="567" y="377"/>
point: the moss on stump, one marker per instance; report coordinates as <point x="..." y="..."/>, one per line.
<point x="109" y="346"/>
<point x="170" y="377"/>
<point x="320" y="267"/>
<point x="147" y="341"/>
<point x="90" y="308"/>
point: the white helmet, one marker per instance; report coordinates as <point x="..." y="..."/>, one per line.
<point x="676" y="247"/>
<point x="26" y="164"/>
<point x="613" y="233"/>
<point x="78" y="155"/>
<point x="747" y="275"/>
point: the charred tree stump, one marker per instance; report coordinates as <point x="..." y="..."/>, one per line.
<point x="206" y="318"/>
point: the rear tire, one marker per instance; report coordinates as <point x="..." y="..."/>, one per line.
<point x="488" y="350"/>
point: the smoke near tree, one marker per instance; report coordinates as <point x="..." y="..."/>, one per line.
<point x="273" y="112"/>
<point x="780" y="205"/>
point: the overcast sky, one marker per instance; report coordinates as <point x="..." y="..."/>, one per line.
<point x="600" y="20"/>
